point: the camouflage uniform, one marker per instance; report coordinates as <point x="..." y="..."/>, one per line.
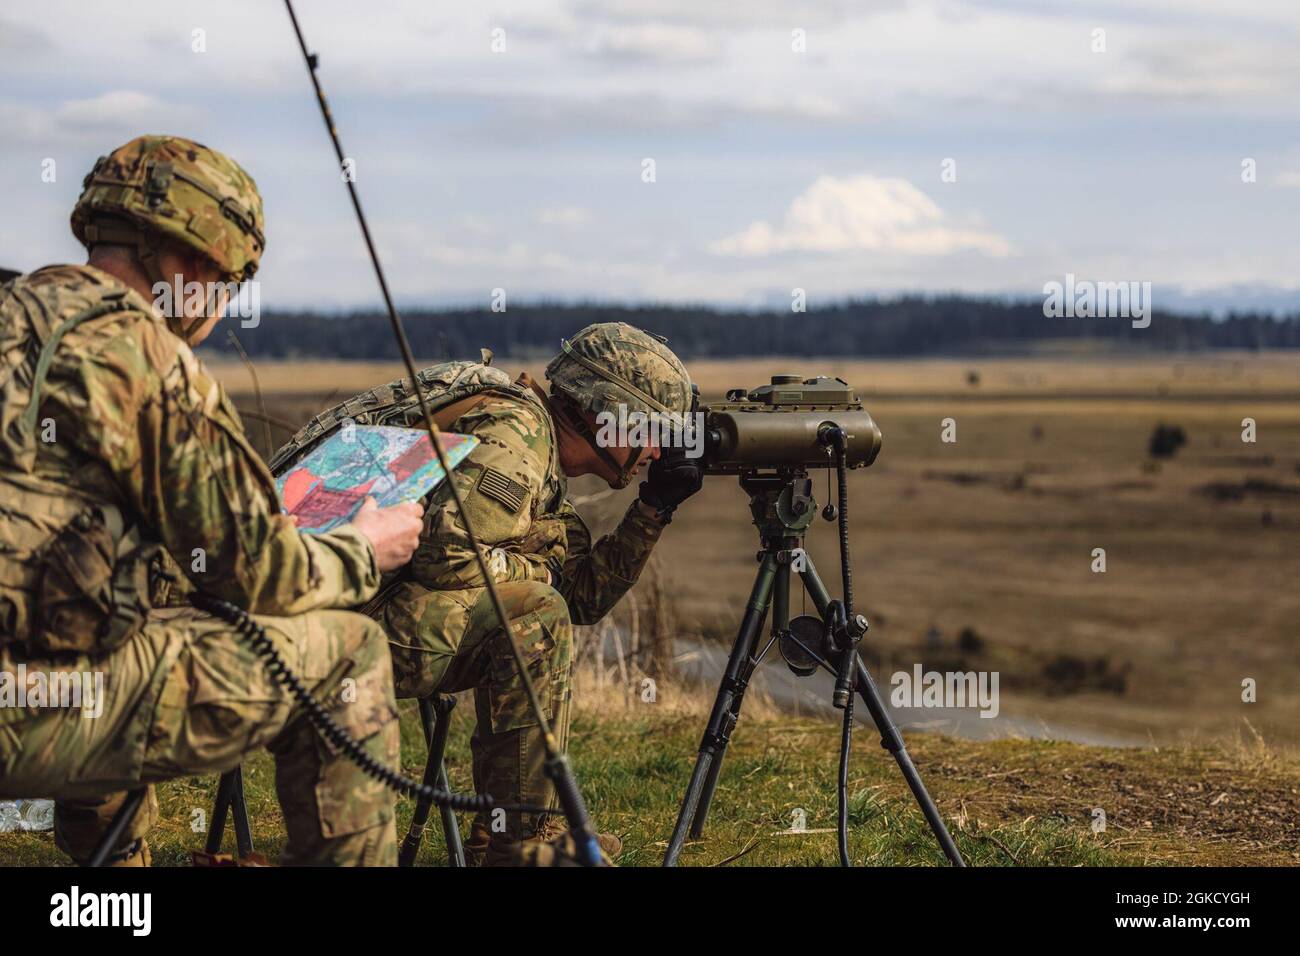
<point x="120" y="458"/>
<point x="443" y="632"/>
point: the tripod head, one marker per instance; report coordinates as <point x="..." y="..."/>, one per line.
<point x="782" y="504"/>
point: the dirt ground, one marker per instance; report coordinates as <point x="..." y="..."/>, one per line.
<point x="993" y="536"/>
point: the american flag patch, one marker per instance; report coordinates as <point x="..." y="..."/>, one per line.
<point x="501" y="487"/>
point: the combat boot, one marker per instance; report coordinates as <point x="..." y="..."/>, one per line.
<point x="610" y="845"/>
<point x="477" y="845"/>
<point x="553" y="845"/>
<point x="484" y="849"/>
<point x="136" y="854"/>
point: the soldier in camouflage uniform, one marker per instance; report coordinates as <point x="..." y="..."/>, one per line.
<point x="122" y="458"/>
<point x="549" y="573"/>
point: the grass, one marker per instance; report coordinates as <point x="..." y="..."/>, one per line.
<point x="1008" y="802"/>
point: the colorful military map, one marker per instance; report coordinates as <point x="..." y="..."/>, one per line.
<point x="328" y="485"/>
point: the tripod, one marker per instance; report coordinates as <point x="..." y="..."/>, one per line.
<point x="783" y="507"/>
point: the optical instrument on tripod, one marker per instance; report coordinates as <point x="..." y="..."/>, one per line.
<point x="771" y="437"/>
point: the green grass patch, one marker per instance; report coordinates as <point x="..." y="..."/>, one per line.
<point x="1007" y="803"/>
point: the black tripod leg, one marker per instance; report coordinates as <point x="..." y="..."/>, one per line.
<point x="443" y="705"/>
<point x="450" y="825"/>
<point x="722" y="718"/>
<point x="780" y="599"/>
<point x="230" y="800"/>
<point x="434" y="729"/>
<point x="239" y="812"/>
<point x="715" y="768"/>
<point x="892" y="740"/>
<point x="220" y="809"/>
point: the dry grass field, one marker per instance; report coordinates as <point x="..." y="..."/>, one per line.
<point x="995" y="532"/>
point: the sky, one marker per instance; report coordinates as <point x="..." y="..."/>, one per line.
<point x="864" y="148"/>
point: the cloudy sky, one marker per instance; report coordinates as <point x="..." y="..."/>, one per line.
<point x="846" y="148"/>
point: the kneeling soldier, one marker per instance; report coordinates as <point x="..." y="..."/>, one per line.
<point x="121" y="457"/>
<point x="549" y="573"/>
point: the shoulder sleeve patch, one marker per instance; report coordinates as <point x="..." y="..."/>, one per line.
<point x="501" y="488"/>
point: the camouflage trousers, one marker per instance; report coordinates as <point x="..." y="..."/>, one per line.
<point x="451" y="640"/>
<point x="187" y="696"/>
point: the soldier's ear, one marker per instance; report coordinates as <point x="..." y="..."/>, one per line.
<point x="201" y="268"/>
<point x="193" y="266"/>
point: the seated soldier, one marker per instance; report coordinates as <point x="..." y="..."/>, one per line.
<point x="443" y="633"/>
<point x="121" y="457"/>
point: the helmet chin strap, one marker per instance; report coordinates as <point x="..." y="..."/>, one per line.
<point x="185" y="327"/>
<point x="191" y="328"/>
<point x="624" y="471"/>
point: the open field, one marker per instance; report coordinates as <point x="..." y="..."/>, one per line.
<point x="996" y="531"/>
<point x="1112" y="374"/>
<point x="1007" y="803"/>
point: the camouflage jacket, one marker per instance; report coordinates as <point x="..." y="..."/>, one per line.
<point x="512" y="486"/>
<point x="517" y="498"/>
<point x="129" y="443"/>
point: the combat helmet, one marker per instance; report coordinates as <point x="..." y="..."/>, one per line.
<point x="612" y="364"/>
<point x="167" y="189"/>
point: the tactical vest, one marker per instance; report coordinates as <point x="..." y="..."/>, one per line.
<point x="75" y="572"/>
<point x="450" y="391"/>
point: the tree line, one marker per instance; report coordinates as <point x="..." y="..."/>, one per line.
<point x="907" y="326"/>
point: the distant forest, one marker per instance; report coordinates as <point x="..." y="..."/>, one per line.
<point x="906" y="326"/>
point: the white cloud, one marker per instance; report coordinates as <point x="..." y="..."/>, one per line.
<point x="723" y="16"/>
<point x="1290" y="178"/>
<point x="652" y="42"/>
<point x="124" y="113"/>
<point x="564" y="216"/>
<point x="862" y="212"/>
<point x="125" y="109"/>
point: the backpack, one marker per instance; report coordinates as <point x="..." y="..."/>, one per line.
<point x="450" y="390"/>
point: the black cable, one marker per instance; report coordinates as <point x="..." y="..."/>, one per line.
<point x="329" y="728"/>
<point x="841" y="465"/>
<point x="846" y="570"/>
<point x="846" y="737"/>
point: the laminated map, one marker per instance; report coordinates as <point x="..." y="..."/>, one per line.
<point x="328" y="485"/>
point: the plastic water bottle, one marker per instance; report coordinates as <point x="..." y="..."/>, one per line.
<point x="35" y="815"/>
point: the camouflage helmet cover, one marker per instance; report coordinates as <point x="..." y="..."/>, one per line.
<point x="180" y="191"/>
<point x="611" y="363"/>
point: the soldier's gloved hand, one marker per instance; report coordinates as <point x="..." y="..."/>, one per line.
<point x="669" y="482"/>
